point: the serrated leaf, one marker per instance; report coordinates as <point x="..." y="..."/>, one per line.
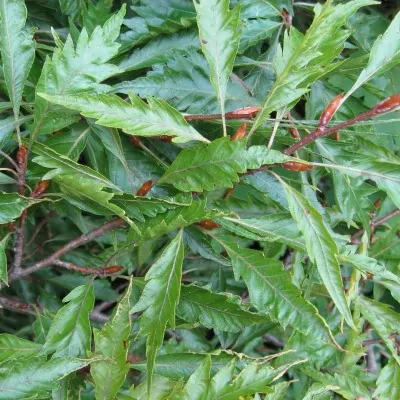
<point x="27" y="378"/>
<point x="139" y="206"/>
<point x="160" y="298"/>
<point x="83" y="185"/>
<point x="7" y="126"/>
<point x="385" y="54"/>
<point x="176" y="218"/>
<point x="306" y="58"/>
<point x="272" y="291"/>
<point x="184" y="81"/>
<point x="75" y="70"/>
<point x="321" y="247"/>
<point x="135" y="118"/>
<point x="3" y="260"/>
<point x="219" y="42"/>
<point x="387" y="385"/>
<point x="197" y="386"/>
<point x="12" y="205"/>
<point x="385" y="321"/>
<point x="70" y="333"/>
<point x="278" y="227"/>
<point x="183" y="365"/>
<point x="14" y="348"/>
<point x="205" y="167"/>
<point x="17" y="49"/>
<point x="214" y="310"/>
<point x="346" y="385"/>
<point x="160" y="50"/>
<point x="278" y="391"/>
<point x="112" y="342"/>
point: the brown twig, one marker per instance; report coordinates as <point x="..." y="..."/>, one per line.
<point x="17" y="306"/>
<point x="73" y="244"/>
<point x="19" y="246"/>
<point x="374" y="224"/>
<point x="87" y="270"/>
<point x="320" y="133"/>
<point x="39" y="226"/>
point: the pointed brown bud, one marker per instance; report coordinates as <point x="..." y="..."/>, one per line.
<point x="145" y="188"/>
<point x="296" y="166"/>
<point x="329" y="111"/>
<point x="208" y="224"/>
<point x="240" y="133"/>
<point x="389" y="104"/>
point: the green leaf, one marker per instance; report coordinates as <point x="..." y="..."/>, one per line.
<point x="135" y="118"/>
<point x="384" y="55"/>
<point x="388" y="382"/>
<point x="70" y="333"/>
<point x="219" y="42"/>
<point x="346" y="385"/>
<point x="75" y="70"/>
<point x="183" y="365"/>
<point x="272" y="291"/>
<point x="385" y="321"/>
<point x="12" y="205"/>
<point x="176" y="218"/>
<point x="253" y="379"/>
<point x="307" y="58"/>
<point x="214" y="311"/>
<point x="278" y="227"/>
<point x="184" y="81"/>
<point x="160" y="50"/>
<point x="321" y="247"/>
<point x="112" y="342"/>
<point x="14" y="348"/>
<point x="17" y="49"/>
<point x="7" y="127"/>
<point x="27" y="378"/>
<point x="278" y="391"/>
<point x="197" y="386"/>
<point x="139" y="206"/>
<point x="160" y="298"/>
<point x="205" y="167"/>
<point x="3" y="259"/>
<point x="84" y="186"/>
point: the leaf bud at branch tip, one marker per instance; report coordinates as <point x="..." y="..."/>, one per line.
<point x="40" y="188"/>
<point x="208" y="224"/>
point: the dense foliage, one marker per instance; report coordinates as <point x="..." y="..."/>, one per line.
<point x="199" y="200"/>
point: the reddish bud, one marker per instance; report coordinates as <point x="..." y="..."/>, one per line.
<point x="21" y="155"/>
<point x="113" y="269"/>
<point x="389" y="104"/>
<point x="329" y="111"/>
<point x="240" y="133"/>
<point x="294" y="132"/>
<point x="286" y="18"/>
<point x="208" y="224"/>
<point x="296" y="166"/>
<point x="40" y="188"/>
<point x="135" y="140"/>
<point x="11" y="227"/>
<point x="145" y="188"/>
<point x="377" y="203"/>
<point x="243" y="112"/>
<point x="228" y="192"/>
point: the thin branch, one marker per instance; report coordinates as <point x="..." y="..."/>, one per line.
<point x="87" y="270"/>
<point x="17" y="306"/>
<point x="19" y="246"/>
<point x="73" y="244"/>
<point x="10" y="160"/>
<point x="39" y="226"/>
<point x="320" y="133"/>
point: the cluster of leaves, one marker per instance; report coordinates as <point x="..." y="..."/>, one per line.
<point x="146" y="252"/>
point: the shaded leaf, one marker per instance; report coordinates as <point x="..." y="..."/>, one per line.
<point x="214" y="310"/>
<point x="112" y="342"/>
<point x="17" y="49"/>
<point x="388" y="382"/>
<point x="27" y="378"/>
<point x="3" y="259"/>
<point x="321" y="247"/>
<point x="160" y="298"/>
<point x="272" y="291"/>
<point x="12" y="205"/>
<point x="70" y="333"/>
<point x="14" y="348"/>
